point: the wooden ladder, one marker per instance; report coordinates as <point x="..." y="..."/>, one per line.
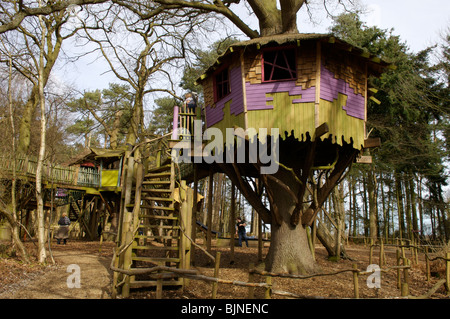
<point x="155" y="217"/>
<point x="158" y="241"/>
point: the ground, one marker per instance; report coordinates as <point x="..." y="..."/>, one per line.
<point x="34" y="281"/>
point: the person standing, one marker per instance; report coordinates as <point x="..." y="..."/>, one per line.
<point x="63" y="230"/>
<point x="240" y="231"/>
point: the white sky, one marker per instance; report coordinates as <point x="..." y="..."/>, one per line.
<point x="419" y="23"/>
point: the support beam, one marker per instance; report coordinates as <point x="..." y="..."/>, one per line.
<point x="209" y="211"/>
<point x="344" y="161"/>
<point x="232" y="223"/>
<point x="308" y="164"/>
<point x="372" y="142"/>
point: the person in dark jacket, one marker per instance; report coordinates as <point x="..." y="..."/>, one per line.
<point x="240" y="231"/>
<point x="63" y="230"/>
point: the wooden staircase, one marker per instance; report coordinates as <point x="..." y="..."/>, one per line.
<point x="156" y="214"/>
<point x="158" y="239"/>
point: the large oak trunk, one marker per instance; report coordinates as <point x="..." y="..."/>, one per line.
<point x="289" y="249"/>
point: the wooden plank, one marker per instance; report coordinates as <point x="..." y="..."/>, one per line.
<point x="322" y="130"/>
<point x="364" y="160"/>
<point x="372" y="142"/>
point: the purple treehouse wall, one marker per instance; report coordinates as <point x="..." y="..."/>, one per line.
<point x="215" y="115"/>
<point x="330" y="87"/>
<point x="256" y="94"/>
<point x="257" y="100"/>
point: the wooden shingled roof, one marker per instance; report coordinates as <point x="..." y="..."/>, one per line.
<point x="92" y="154"/>
<point x="377" y="64"/>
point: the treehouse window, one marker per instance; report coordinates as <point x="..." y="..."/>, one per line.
<point x="279" y="65"/>
<point x="222" y="84"/>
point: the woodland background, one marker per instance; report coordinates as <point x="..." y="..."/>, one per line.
<point x="403" y="193"/>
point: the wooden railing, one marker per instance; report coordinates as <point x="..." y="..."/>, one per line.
<point x="183" y="122"/>
<point x="26" y="167"/>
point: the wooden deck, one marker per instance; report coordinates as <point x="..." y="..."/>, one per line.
<point x="82" y="178"/>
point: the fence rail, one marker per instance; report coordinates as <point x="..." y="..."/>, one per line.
<point x="27" y="166"/>
<point x="403" y="266"/>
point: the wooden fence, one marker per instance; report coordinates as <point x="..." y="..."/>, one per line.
<point x="403" y="266"/>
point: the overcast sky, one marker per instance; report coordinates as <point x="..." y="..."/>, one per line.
<point x="417" y="22"/>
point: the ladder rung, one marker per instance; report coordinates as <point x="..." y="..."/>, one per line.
<point x="155" y="199"/>
<point x="158" y="169"/>
<point x="158" y="217"/>
<point x="156" y="190"/>
<point x="157" y="175"/>
<point x="156" y="259"/>
<point x="155" y="248"/>
<point x="152" y="283"/>
<point x="169" y="227"/>
<point x="158" y="207"/>
<point x="157" y="237"/>
<point x="156" y="182"/>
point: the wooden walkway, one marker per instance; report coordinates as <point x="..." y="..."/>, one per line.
<point x="70" y="177"/>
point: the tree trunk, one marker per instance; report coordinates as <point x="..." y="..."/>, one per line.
<point x="420" y="202"/>
<point x="217" y="200"/>
<point x="371" y="186"/>
<point x="366" y="213"/>
<point x="355" y="209"/>
<point x="338" y="202"/>
<point x="53" y="49"/>
<point x="289" y="250"/>
<point x="269" y="16"/>
<point x="42" y="254"/>
<point x="273" y="20"/>
<point x="398" y="188"/>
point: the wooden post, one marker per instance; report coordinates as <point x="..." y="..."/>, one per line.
<point x="405" y="284"/>
<point x="371" y="251"/>
<point x="355" y="281"/>
<point x="209" y="211"/>
<point x="399" y="281"/>
<point x="232" y="225"/>
<point x="427" y="261"/>
<point x="405" y="271"/>
<point x="216" y="275"/>
<point x="127" y="236"/>
<point x="382" y="259"/>
<point x="251" y="276"/>
<point x="268" y="292"/>
<point x="447" y="272"/>
<point x="194" y="214"/>
<point x="416" y="249"/>
<point x="159" y="287"/>
<point x="310" y="242"/>
<point x="405" y="289"/>
<point x="175" y="123"/>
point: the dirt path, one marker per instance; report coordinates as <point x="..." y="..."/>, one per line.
<point x="60" y="281"/>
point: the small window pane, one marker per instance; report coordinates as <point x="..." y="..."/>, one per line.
<point x="279" y="65"/>
<point x="222" y="84"/>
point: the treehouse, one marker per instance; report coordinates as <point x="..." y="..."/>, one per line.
<point x="99" y="169"/>
<point x="307" y="85"/>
